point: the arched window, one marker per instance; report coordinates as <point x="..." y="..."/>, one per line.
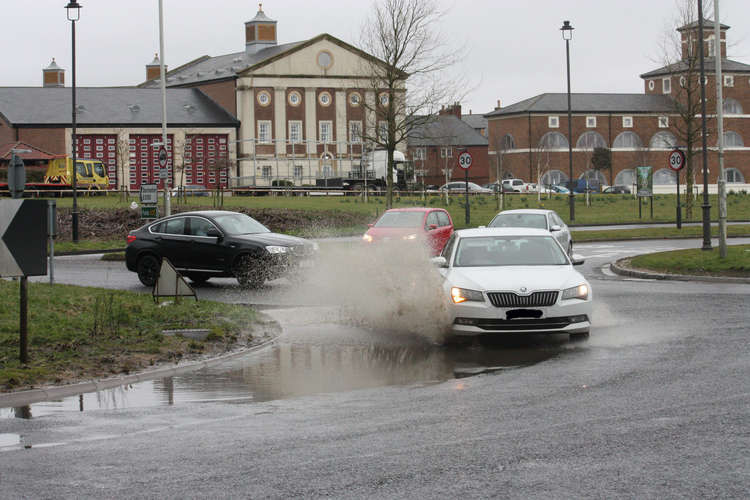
<point x="662" y="140"/>
<point x="594" y="178"/>
<point x="732" y="106"/>
<point x="734" y="176"/>
<point x="733" y="140"/>
<point x="591" y="140"/>
<point x="553" y="140"/>
<point x="625" y="177"/>
<point x="665" y="176"/>
<point x="554" y="178"/>
<point x="628" y="140"/>
<point x="508" y="142"/>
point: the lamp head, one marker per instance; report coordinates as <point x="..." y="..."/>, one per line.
<point x="567" y="30"/>
<point x="74" y="10"/>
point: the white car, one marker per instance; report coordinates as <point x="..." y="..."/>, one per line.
<point x="538" y="218"/>
<point x="511" y="280"/>
<point x="458" y="187"/>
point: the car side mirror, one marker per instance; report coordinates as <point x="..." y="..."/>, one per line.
<point x="439" y="261"/>
<point x="555" y="228"/>
<point x="577" y="259"/>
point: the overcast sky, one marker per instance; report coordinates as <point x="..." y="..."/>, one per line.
<point x="514" y="48"/>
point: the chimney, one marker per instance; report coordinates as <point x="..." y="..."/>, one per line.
<point x="53" y="75"/>
<point x="498" y="105"/>
<point x="260" y="32"/>
<point x="454" y="109"/>
<point x="153" y="69"/>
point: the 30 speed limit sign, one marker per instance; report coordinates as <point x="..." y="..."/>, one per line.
<point x="464" y="160"/>
<point x="676" y="160"/>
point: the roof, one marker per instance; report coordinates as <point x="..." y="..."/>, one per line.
<point x="708" y="24"/>
<point x="35" y="153"/>
<point x="501" y="231"/>
<point x="475" y="121"/>
<point x="709" y="64"/>
<point x="588" y="103"/>
<point x="535" y="211"/>
<point x="445" y="130"/>
<point x="110" y="106"/>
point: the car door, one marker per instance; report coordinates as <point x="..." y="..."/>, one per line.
<point x="563" y="235"/>
<point x="445" y="229"/>
<point x="206" y="253"/>
<point x="432" y="228"/>
<point x="171" y="241"/>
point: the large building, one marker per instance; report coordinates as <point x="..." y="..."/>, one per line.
<point x="530" y="137"/>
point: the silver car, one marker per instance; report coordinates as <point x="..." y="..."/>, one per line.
<point x="536" y="218"/>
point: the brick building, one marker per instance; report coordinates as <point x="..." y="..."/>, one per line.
<point x="434" y="146"/>
<point x="531" y="136"/>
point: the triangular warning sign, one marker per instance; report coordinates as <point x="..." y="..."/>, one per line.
<point x="171" y="283"/>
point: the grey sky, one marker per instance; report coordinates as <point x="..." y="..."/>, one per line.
<point x="514" y="48"/>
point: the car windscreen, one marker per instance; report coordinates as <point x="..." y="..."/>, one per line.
<point x="509" y="251"/>
<point x="400" y="219"/>
<point x="538" y="221"/>
<point x="240" y="224"/>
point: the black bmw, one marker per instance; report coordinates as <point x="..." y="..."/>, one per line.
<point x="215" y="243"/>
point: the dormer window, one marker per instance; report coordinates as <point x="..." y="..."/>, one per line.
<point x="666" y="85"/>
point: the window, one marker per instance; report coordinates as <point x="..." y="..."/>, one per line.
<point x="324" y="98"/>
<point x="553" y="121"/>
<point x="666" y="85"/>
<point x="324" y="59"/>
<point x="591" y="121"/>
<point x="728" y="80"/>
<point x="591" y="140"/>
<point x="628" y="140"/>
<point x="662" y="140"/>
<point x="627" y="122"/>
<point x="264" y="131"/>
<point x="325" y="131"/>
<point x="355" y="99"/>
<point x="294" y="98"/>
<point x="732" y="106"/>
<point x="508" y="142"/>
<point x="383" y="99"/>
<point x="419" y="154"/>
<point x="683" y="81"/>
<point x="554" y="178"/>
<point x="446" y="152"/>
<point x="295" y="132"/>
<point x="665" y="176"/>
<point x="382" y="131"/>
<point x="298" y="171"/>
<point x="553" y="140"/>
<point x="355" y="131"/>
<point x="199" y="226"/>
<point x="264" y="98"/>
<point x="711" y="45"/>
<point x="432" y="218"/>
<point x="266" y="171"/>
<point x="733" y="140"/>
<point x="651" y="85"/>
<point x="443" y="219"/>
<point x="734" y="176"/>
<point x="626" y="177"/>
<point x="663" y="122"/>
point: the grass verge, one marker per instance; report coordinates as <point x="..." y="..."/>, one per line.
<point x="81" y="333"/>
<point x="738" y="230"/>
<point x="698" y="262"/>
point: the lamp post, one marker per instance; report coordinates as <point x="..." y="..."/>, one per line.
<point x="74" y="13"/>
<point x="706" y="206"/>
<point x="567" y="33"/>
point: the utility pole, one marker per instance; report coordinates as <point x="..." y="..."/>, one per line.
<point x="163" y="77"/>
<point x="720" y="119"/>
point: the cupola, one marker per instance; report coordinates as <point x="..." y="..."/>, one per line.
<point x="689" y="39"/>
<point x="153" y="69"/>
<point x="260" y="32"/>
<point x="53" y="75"/>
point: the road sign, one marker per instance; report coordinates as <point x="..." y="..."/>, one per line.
<point x="464" y="160"/>
<point x="149" y="212"/>
<point x="149" y="194"/>
<point x="676" y="160"/>
<point x="162" y="157"/>
<point x="23" y="238"/>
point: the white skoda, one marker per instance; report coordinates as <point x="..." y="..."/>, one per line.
<point x="510" y="280"/>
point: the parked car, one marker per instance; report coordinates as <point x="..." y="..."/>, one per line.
<point x="511" y="280"/>
<point x="495" y="187"/>
<point x="192" y="190"/>
<point x="460" y="187"/>
<point x="616" y="190"/>
<point x="536" y="218"/>
<point x="431" y="226"/>
<point x="555" y="189"/>
<point x="215" y="243"/>
<point x="514" y="185"/>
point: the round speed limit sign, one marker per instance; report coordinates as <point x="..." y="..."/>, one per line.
<point x="676" y="160"/>
<point x="464" y="160"/>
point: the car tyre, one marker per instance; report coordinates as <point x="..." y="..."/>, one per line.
<point x="249" y="272"/>
<point x="148" y="269"/>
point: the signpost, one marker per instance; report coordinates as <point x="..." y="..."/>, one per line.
<point x="464" y="161"/>
<point x="645" y="184"/>
<point x="676" y="162"/>
<point x="163" y="172"/>
<point x="149" y="195"/>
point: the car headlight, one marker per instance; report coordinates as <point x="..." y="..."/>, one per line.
<point x="277" y="249"/>
<point x="367" y="238"/>
<point x="462" y="295"/>
<point x="410" y="237"/>
<point x="580" y="292"/>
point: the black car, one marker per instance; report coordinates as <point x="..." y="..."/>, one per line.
<point x="215" y="243"/>
<point x="616" y="190"/>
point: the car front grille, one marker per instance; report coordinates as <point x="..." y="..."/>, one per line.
<point x="510" y="299"/>
<point x="302" y="250"/>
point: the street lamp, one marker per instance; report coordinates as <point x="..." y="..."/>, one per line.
<point x="74" y="14"/>
<point x="567" y="33"/>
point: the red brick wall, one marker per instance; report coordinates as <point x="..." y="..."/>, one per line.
<point x="326" y="113"/>
<point x="434" y="164"/>
<point x="224" y="94"/>
<point x="296" y="113"/>
<point x="51" y="140"/>
<point x="7" y="134"/>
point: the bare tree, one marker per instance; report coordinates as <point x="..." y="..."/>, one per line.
<point x="682" y="65"/>
<point x="501" y="146"/>
<point x="401" y="39"/>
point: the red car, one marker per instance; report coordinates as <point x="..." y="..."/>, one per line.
<point x="431" y="225"/>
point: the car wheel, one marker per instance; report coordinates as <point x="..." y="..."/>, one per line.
<point x="249" y="272"/>
<point x="148" y="269"/>
<point x="579" y="337"/>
